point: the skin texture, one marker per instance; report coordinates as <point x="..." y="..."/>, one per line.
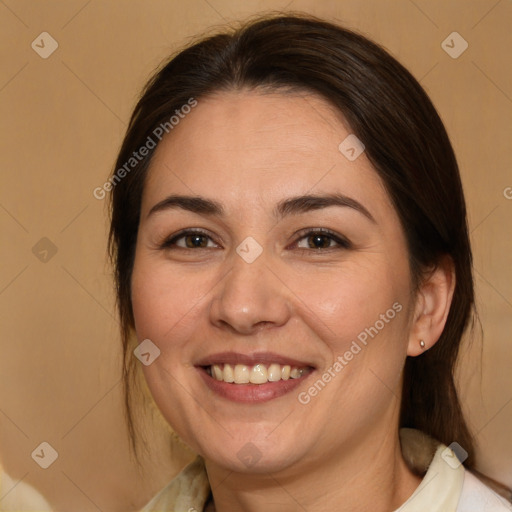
<point x="249" y="150"/>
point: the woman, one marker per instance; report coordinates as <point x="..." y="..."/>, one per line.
<point x="294" y="272"/>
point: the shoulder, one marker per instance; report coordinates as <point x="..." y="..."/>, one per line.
<point x="188" y="491"/>
<point x="446" y="485"/>
<point x="16" y="495"/>
<point x="477" y="497"/>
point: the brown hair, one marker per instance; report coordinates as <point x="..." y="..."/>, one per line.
<point x="405" y="140"/>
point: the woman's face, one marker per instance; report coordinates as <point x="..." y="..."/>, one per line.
<point x="267" y="253"/>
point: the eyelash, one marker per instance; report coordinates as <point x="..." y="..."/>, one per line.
<point x="342" y="242"/>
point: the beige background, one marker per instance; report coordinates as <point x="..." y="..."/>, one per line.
<point x="63" y="119"/>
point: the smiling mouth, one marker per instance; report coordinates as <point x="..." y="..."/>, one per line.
<point x="255" y="374"/>
<point x="252" y="378"/>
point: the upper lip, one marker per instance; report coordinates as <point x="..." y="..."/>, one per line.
<point x="235" y="358"/>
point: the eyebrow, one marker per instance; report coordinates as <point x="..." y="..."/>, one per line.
<point x="291" y="206"/>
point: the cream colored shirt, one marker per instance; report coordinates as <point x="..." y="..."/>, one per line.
<point x="17" y="496"/>
<point x="446" y="486"/>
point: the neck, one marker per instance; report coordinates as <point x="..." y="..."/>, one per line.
<point x="370" y="474"/>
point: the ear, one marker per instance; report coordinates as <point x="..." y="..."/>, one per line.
<point x="433" y="301"/>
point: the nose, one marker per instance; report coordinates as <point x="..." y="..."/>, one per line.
<point x="250" y="297"/>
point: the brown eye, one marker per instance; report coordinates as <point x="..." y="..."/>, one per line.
<point x="190" y="240"/>
<point x="193" y="241"/>
<point x="321" y="239"/>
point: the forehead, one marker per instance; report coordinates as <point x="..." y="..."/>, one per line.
<point x="247" y="146"/>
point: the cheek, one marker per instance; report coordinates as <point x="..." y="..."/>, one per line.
<point x="347" y="302"/>
<point x="362" y="316"/>
<point x="168" y="308"/>
<point x="164" y="300"/>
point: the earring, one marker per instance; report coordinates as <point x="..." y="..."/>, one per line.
<point x="422" y="344"/>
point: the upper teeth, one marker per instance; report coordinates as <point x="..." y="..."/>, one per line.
<point x="257" y="374"/>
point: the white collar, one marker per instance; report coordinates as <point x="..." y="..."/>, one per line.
<point x="441" y="487"/>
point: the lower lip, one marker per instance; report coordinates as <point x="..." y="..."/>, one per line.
<point x="251" y="393"/>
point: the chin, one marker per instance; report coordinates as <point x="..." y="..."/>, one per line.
<point x="250" y="459"/>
